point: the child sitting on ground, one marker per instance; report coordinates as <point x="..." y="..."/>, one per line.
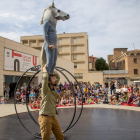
<point x="18" y="99"/>
<point x="35" y="104"/>
<point x="88" y="100"/>
<point x="105" y="99"/>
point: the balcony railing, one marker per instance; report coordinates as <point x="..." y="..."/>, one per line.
<point x="115" y="72"/>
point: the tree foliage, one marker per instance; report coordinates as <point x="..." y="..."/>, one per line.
<point x="100" y="64"/>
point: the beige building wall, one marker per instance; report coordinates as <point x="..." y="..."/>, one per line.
<point x="95" y="76"/>
<point x="9" y="44"/>
<point x="125" y="61"/>
<point x="118" y="51"/>
<point x="71" y="46"/>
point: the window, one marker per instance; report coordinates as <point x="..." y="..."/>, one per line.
<point x="135" y="60"/>
<point x="24" y="42"/>
<point x="124" y="62"/>
<point x="74" y="48"/>
<point x="135" y="71"/>
<point x="75" y="65"/>
<point x="74" y="40"/>
<point x="75" y="57"/>
<point x="41" y="41"/>
<point x="59" y="49"/>
<point x="33" y="41"/>
<point x="120" y="63"/>
<point x="60" y="41"/>
<point x="78" y="75"/>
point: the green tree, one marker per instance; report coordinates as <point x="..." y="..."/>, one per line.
<point x="100" y="64"/>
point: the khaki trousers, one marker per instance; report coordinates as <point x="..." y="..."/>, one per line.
<point x="50" y="124"/>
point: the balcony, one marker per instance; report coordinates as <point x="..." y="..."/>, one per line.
<point x="78" y="52"/>
<point x="115" y="72"/>
<point x="78" y="61"/>
<point x="64" y="52"/>
<point x="60" y="45"/>
<point x="77" y="44"/>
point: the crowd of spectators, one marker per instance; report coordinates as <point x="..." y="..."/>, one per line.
<point x="92" y="93"/>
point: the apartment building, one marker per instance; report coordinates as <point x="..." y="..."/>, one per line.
<point x="71" y="46"/>
<point x="124" y="65"/>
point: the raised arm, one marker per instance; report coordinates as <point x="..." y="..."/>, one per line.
<point x="45" y="81"/>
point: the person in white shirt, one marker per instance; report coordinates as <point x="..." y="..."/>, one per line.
<point x="124" y="89"/>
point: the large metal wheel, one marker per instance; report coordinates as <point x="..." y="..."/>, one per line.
<point x="59" y="69"/>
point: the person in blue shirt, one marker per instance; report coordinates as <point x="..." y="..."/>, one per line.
<point x="49" y="49"/>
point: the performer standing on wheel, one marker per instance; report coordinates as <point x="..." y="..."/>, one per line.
<point x="47" y="120"/>
<point x="49" y="49"/>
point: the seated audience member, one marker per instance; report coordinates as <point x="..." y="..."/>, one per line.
<point x="136" y="99"/>
<point x="105" y="100"/>
<point x="125" y="89"/>
<point x="23" y="95"/>
<point x="32" y="96"/>
<point x="18" y="98"/>
<point x="130" y="89"/>
<point x="92" y="97"/>
<point x="98" y="98"/>
<point x="105" y="90"/>
<point x="61" y="93"/>
<point x="85" y="89"/>
<point x="58" y="89"/>
<point x="101" y="92"/>
<point x="17" y="92"/>
<point x="130" y="98"/>
<point x="136" y="89"/>
<point x="68" y="92"/>
<point x="84" y="99"/>
<point x="70" y="100"/>
<point x="124" y="98"/>
<point x="118" y="92"/>
<point x="113" y="99"/>
<point x="35" y="104"/>
<point x="89" y="100"/>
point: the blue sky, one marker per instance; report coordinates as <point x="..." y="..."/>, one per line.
<point x="109" y="23"/>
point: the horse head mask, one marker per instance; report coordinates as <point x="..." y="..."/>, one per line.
<point x="52" y="15"/>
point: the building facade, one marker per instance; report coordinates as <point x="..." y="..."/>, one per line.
<point x="16" y="58"/>
<point x="72" y="47"/>
<point x="125" y="65"/>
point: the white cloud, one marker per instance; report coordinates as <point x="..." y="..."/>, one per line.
<point x="109" y="23"/>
